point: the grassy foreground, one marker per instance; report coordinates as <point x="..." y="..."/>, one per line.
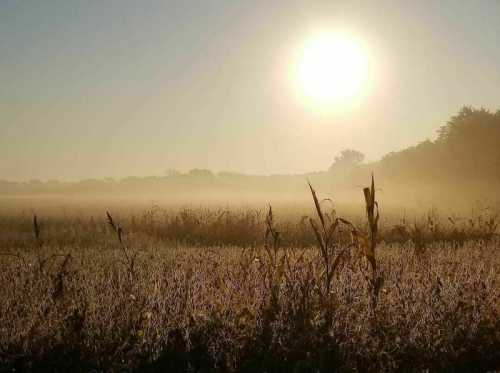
<point x="90" y="295"/>
<point x="213" y="309"/>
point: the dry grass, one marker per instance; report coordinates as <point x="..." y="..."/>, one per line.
<point x="166" y="292"/>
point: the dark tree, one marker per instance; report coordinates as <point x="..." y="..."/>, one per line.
<point x="348" y="158"/>
<point x="201" y="172"/>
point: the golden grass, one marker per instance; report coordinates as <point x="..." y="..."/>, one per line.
<point x="175" y="295"/>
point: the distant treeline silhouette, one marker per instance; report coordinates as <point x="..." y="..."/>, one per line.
<point x="467" y="148"/>
<point x="464" y="160"/>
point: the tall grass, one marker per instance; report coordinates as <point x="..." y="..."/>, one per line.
<point x="345" y="299"/>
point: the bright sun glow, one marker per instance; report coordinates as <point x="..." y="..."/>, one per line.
<point x="331" y="68"/>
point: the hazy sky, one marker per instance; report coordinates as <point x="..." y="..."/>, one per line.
<point x="115" y="88"/>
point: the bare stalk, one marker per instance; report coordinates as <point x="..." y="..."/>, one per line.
<point x="130" y="260"/>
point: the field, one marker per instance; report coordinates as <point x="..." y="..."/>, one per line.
<point x="220" y="289"/>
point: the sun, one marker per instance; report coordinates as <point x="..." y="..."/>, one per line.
<point x="331" y="68"/>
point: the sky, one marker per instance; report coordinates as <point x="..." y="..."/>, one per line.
<point x="114" y="88"/>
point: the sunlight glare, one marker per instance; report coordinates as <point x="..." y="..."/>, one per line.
<point x="331" y="68"/>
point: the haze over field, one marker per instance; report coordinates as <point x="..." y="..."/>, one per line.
<point x="249" y="186"/>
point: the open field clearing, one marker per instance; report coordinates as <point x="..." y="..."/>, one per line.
<point x="226" y="309"/>
<point x="189" y="186"/>
<point x="243" y="290"/>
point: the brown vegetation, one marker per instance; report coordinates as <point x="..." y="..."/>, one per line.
<point x="205" y="290"/>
